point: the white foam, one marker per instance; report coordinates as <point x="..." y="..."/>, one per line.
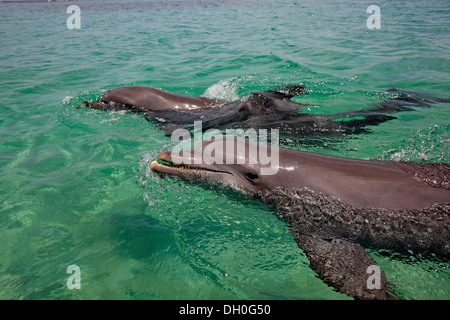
<point x="226" y="90"/>
<point x="67" y="99"/>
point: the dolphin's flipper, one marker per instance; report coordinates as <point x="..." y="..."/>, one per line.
<point x="356" y="121"/>
<point x="345" y="266"/>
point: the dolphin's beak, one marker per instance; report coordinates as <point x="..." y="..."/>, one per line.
<point x="164" y="164"/>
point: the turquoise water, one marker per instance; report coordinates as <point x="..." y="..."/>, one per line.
<point x="75" y="188"/>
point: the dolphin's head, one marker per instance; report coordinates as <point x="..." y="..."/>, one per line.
<point x="235" y="162"/>
<point x="263" y="169"/>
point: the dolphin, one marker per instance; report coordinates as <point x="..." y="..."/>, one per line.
<point x="149" y="99"/>
<point x="271" y="109"/>
<point x="335" y="206"/>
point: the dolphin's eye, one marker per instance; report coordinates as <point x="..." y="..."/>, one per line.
<point x="251" y="176"/>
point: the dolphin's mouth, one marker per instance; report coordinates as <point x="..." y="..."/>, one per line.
<point x="164" y="164"/>
<point x="170" y="164"/>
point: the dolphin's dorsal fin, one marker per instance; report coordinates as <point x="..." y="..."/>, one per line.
<point x="285" y="92"/>
<point x="345" y="266"/>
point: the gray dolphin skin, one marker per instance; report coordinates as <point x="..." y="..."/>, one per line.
<point x="336" y="206"/>
<point x="150" y="99"/>
<point x="272" y="109"/>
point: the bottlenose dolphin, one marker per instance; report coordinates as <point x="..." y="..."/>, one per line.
<point x="149" y="99"/>
<point x="334" y="205"/>
<point x="270" y="109"/>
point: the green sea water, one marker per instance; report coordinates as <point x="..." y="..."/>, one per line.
<point x="75" y="186"/>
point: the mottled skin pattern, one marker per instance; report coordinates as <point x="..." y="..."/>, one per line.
<point x="331" y="232"/>
<point x="332" y="225"/>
